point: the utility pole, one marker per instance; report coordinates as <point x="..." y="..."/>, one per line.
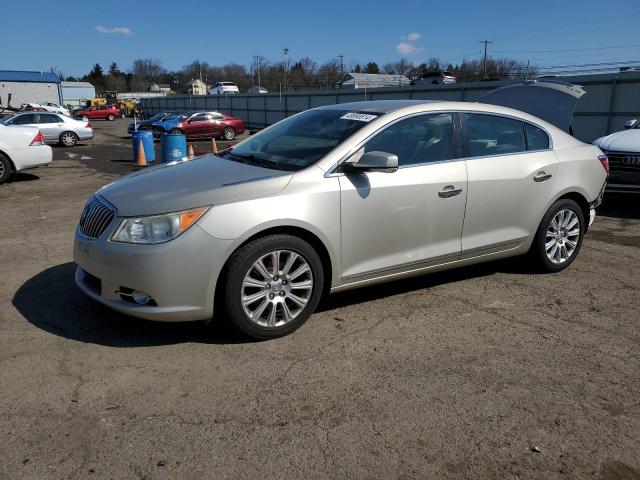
<point x="484" y="61"/>
<point x="341" y="57"/>
<point x="285" y="54"/>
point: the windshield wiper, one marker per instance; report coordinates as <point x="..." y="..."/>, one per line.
<point x="263" y="162"/>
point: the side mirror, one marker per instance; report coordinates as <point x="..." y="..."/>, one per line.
<point x="373" y="161"/>
<point x="631" y="123"/>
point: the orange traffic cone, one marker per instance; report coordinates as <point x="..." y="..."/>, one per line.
<point x="141" y="159"/>
<point x="190" y="153"/>
<point x="214" y="146"/>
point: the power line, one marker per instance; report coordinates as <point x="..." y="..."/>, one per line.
<point x="568" y="50"/>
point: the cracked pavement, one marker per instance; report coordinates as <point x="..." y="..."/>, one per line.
<point x="460" y="374"/>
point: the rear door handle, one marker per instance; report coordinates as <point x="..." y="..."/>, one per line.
<point x="542" y="177"/>
<point x="449" y="191"/>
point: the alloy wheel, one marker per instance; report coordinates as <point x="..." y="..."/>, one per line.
<point x="562" y="237"/>
<point x="277" y="288"/>
<point x="229" y="133"/>
<point x="68" y="139"/>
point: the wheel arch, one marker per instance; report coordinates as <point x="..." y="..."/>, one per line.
<point x="11" y="164"/>
<point x="307" y="235"/>
<point x="581" y="200"/>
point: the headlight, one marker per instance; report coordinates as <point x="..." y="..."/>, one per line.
<point x="157" y="228"/>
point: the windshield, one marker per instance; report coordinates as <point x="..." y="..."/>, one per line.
<point x="300" y="141"/>
<point x="6" y="119"/>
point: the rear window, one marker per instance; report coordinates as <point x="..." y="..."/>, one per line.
<point x="537" y="139"/>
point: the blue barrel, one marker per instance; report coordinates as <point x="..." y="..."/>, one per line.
<point x="173" y="147"/>
<point x="146" y="137"/>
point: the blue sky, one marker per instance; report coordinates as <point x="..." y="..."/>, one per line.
<point x="71" y="35"/>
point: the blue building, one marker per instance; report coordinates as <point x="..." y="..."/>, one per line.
<point x="29" y="87"/>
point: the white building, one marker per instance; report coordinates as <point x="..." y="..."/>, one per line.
<point x="77" y="93"/>
<point x="29" y="87"/>
<point x="197" y="87"/>
<point x="160" y="87"/>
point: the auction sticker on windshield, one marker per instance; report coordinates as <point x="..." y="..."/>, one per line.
<point x="360" y="117"/>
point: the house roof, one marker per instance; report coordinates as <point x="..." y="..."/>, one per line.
<point x="77" y="84"/>
<point x="33" y="77"/>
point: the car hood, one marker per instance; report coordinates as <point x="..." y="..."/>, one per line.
<point x="624" y="141"/>
<point x="203" y="181"/>
<point x="551" y="100"/>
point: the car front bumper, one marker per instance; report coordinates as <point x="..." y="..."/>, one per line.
<point x="179" y="275"/>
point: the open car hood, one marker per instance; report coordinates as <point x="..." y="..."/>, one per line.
<point x="551" y="100"/>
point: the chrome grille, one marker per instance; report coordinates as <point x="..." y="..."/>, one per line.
<point x="624" y="161"/>
<point x="95" y="218"/>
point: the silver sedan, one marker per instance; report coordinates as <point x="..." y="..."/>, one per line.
<point x="335" y="198"/>
<point x="55" y="127"/>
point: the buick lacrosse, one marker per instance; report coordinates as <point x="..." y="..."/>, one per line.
<point x="334" y="198"/>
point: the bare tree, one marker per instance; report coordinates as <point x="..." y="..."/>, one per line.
<point x="258" y="65"/>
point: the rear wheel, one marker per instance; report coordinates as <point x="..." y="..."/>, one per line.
<point x="229" y="133"/>
<point x="5" y="168"/>
<point x="68" y="139"/>
<point x="559" y="236"/>
<point x="273" y="285"/>
<point x="176" y="131"/>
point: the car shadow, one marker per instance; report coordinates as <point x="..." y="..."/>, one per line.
<point x="425" y="281"/>
<point x="620" y="205"/>
<point x="51" y="301"/>
<point x="23" y="177"/>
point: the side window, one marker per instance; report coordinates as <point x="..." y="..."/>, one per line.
<point x="416" y="140"/>
<point x="217" y="116"/>
<point x="493" y="135"/>
<point x="199" y="117"/>
<point x="26" y="119"/>
<point x="537" y="139"/>
<point x="48" y="118"/>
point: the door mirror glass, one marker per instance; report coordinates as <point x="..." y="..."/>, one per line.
<point x="375" y="161"/>
<point x="631" y="123"/>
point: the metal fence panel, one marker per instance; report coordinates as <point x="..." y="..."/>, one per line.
<point x="610" y="100"/>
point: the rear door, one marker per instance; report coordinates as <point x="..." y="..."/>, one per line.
<point x="408" y="219"/>
<point x="511" y="169"/>
<point x="51" y="126"/>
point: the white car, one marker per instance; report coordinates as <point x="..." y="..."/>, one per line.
<point x="623" y="150"/>
<point x="224" y="88"/>
<point x="21" y="148"/>
<point x="50" y="107"/>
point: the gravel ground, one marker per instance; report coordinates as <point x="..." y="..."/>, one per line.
<point x="483" y="372"/>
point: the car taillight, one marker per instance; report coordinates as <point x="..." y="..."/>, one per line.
<point x="88" y="125"/>
<point x="38" y="140"/>
<point x="604" y="160"/>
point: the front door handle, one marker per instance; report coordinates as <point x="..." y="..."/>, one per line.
<point x="449" y="191"/>
<point x="542" y="177"/>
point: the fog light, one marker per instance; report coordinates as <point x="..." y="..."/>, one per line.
<point x="140" y="297"/>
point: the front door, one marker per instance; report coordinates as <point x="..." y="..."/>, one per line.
<point x="394" y="222"/>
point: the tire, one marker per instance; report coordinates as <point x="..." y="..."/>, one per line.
<point x="290" y="300"/>
<point x="111" y="117"/>
<point x="554" y="249"/>
<point x="68" y="139"/>
<point x="176" y="131"/>
<point x="5" y="168"/>
<point x="229" y="133"/>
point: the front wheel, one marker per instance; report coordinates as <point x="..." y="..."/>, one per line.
<point x="111" y="117"/>
<point x="559" y="236"/>
<point x="272" y="286"/>
<point x="176" y="131"/>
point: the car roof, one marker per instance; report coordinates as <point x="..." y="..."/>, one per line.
<point x="377" y="106"/>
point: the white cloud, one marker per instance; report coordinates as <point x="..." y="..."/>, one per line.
<point x="412" y="37"/>
<point x="406" y="48"/>
<point x="118" y="30"/>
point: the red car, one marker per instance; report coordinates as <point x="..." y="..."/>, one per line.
<point x="99" y="112"/>
<point x="201" y="125"/>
